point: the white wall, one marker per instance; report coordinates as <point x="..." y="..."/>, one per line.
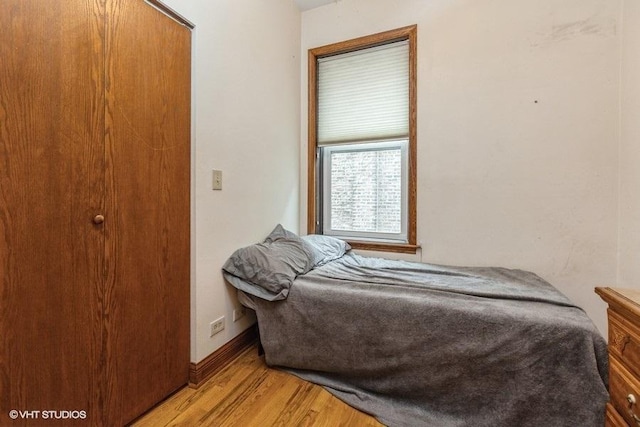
<point x="629" y="250"/>
<point x="517" y="131"/>
<point x="503" y="180"/>
<point x="247" y="124"/>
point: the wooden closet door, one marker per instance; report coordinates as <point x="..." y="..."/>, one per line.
<point x="147" y="218"/>
<point x="51" y="187"/>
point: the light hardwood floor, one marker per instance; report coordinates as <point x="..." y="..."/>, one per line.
<point x="248" y="393"/>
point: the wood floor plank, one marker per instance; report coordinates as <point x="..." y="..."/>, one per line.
<point x="248" y="393"/>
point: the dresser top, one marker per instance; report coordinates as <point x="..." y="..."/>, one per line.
<point x="626" y="299"/>
<point x="632" y="294"/>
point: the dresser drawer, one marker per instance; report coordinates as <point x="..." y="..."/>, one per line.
<point x="624" y="341"/>
<point x="624" y="392"/>
<point x="613" y="418"/>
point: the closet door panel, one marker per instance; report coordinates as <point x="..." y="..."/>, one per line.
<point x="148" y="194"/>
<point x="51" y="177"/>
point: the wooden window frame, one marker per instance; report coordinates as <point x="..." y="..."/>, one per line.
<point x="405" y="33"/>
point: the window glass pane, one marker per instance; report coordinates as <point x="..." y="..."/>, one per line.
<point x="366" y="191"/>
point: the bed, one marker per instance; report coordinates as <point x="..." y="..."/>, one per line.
<point x="418" y="344"/>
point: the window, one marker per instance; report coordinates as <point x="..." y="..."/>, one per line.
<point x="362" y="141"/>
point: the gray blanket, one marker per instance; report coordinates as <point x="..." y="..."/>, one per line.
<point x="424" y="345"/>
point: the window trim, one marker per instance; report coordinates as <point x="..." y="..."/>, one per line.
<point x="313" y="183"/>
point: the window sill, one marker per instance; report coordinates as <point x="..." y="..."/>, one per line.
<point x="403" y="248"/>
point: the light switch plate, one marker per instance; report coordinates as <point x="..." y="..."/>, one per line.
<point x="217" y="180"/>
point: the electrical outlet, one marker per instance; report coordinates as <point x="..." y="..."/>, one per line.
<point x="238" y="313"/>
<point x="216" y="326"/>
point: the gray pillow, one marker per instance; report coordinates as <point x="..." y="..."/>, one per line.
<point x="280" y="233"/>
<point x="269" y="268"/>
<point x="325" y="248"/>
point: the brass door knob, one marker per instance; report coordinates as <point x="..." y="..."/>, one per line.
<point x="98" y="219"/>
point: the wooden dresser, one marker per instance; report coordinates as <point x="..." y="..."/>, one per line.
<point x="623" y="408"/>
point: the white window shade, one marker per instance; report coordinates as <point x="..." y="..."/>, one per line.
<point x="364" y="95"/>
